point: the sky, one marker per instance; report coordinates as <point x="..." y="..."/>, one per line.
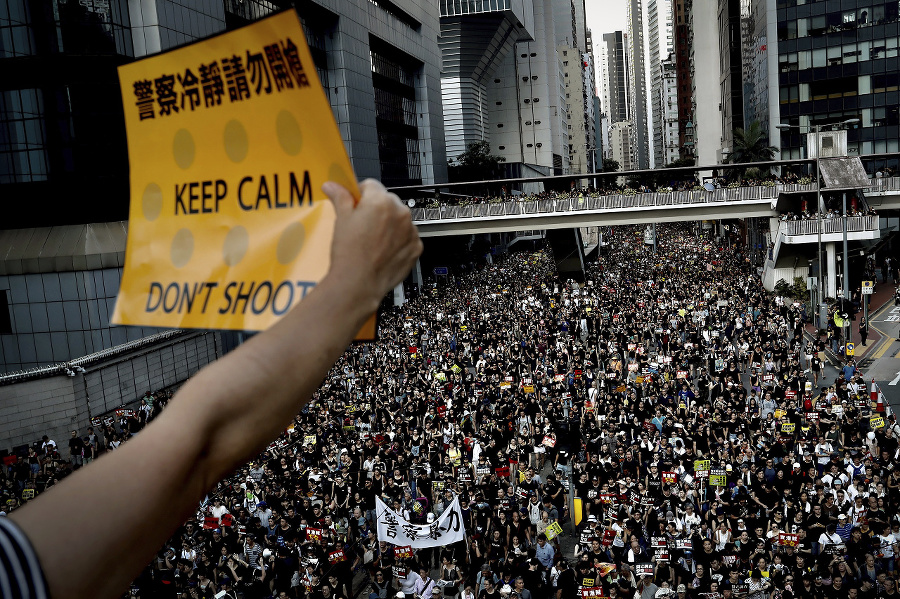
<point x="603" y="16"/>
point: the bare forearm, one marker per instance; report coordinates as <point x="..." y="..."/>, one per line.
<point x="278" y="370"/>
<point x="221" y="418"/>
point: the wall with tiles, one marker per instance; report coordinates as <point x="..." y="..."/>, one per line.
<point x="56" y="317"/>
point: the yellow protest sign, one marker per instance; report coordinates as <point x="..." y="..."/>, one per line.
<point x="876" y="422"/>
<point x="553" y="530"/>
<point x="717" y="480"/>
<point x="309" y="440"/>
<point x="529" y="388"/>
<point x="229" y="142"/>
<point x="788" y="427"/>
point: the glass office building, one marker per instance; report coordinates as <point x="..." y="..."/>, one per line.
<point x="839" y="60"/>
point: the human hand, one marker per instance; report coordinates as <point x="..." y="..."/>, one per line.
<point x="375" y="243"/>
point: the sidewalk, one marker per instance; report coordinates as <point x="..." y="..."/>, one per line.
<point x="884" y="294"/>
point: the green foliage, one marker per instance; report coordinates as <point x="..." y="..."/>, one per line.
<point x="751" y="145"/>
<point x="796" y="291"/>
<point x="475" y="164"/>
<point x="610" y="165"/>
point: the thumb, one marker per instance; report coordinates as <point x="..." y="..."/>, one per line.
<point x="340" y="197"/>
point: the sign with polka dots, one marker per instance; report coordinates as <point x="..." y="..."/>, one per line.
<point x="229" y="142"/>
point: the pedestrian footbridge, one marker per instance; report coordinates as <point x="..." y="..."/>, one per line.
<point x="636" y="208"/>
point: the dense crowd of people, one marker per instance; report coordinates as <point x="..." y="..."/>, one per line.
<point x="667" y="414"/>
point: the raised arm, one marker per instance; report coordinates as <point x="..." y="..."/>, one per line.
<point x="95" y="531"/>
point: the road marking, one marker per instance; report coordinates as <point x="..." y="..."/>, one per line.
<point x="896" y="380"/>
<point x="886" y="343"/>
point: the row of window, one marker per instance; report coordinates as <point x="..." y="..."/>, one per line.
<point x="840" y="87"/>
<point x="839" y="21"/>
<point x="838" y="55"/>
<point x="452" y="8"/>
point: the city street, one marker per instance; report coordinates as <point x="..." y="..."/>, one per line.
<point x="882" y="361"/>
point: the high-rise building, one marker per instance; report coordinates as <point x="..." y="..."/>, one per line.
<point x="620" y="148"/>
<point x="837" y="63"/>
<point x="705" y="81"/>
<point x="537" y="97"/>
<point x="63" y="155"/>
<point x="478" y="39"/>
<point x="635" y="46"/>
<point x="683" y="83"/>
<point x="666" y="142"/>
<point x="731" y="63"/>
<point x="614" y="81"/>
<point x="527" y="116"/>
<point x="760" y="58"/>
<point x="661" y="49"/>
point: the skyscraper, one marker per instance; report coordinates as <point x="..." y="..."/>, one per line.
<point x="637" y="83"/>
<point x="614" y="80"/>
<point x="664" y="115"/>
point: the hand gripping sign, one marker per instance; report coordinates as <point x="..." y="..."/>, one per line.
<point x="229" y="142"/>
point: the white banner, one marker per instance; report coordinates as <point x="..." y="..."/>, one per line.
<point x="446" y="529"/>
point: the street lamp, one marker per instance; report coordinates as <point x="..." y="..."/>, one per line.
<point x="817" y="129"/>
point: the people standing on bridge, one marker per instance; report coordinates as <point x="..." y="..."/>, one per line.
<point x="863" y="331"/>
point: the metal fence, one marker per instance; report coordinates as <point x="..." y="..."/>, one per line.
<point x="855" y="224"/>
<point x="624" y="202"/>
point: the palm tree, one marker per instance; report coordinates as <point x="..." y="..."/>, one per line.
<point x="751" y="145"/>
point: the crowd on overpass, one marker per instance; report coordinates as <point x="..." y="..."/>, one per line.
<point x="656" y="184"/>
<point x="667" y="413"/>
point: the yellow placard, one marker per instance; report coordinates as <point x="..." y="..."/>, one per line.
<point x="309" y="440"/>
<point x="529" y="388"/>
<point x="553" y="530"/>
<point x="788" y="427"/>
<point x="876" y="422"/>
<point x="229" y="142"/>
<point x="717" y="480"/>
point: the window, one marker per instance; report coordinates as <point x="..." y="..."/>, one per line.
<point x="501" y="147"/>
<point x="5" y="320"/>
<point x="23" y="157"/>
<point x="499" y="125"/>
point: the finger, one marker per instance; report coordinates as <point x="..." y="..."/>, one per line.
<point x="339" y="196"/>
<point x="371" y="187"/>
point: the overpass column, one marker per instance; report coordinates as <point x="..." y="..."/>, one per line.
<point x="417" y="275"/>
<point x="831" y="269"/>
<point x="568" y="253"/>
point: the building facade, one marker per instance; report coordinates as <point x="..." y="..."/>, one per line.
<point x="731" y="63"/>
<point x="684" y="85"/>
<point x="705" y="81"/>
<point x="838" y="63"/>
<point x="638" y="99"/>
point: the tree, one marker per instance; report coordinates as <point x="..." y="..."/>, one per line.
<point x="610" y="165"/>
<point x="475" y="164"/>
<point x="751" y="145"/>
